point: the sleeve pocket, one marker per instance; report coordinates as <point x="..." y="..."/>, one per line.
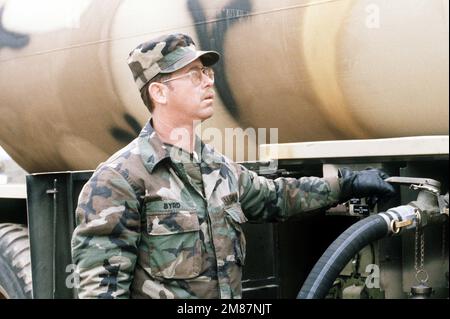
<point x="235" y="217"/>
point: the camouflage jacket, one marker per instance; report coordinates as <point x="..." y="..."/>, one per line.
<point x="144" y="231"/>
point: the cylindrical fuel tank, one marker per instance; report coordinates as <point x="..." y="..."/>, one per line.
<point x="313" y="69"/>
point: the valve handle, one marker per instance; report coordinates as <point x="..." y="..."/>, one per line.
<point x="415" y="183"/>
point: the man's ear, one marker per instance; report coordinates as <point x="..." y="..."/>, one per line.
<point x="158" y="92"/>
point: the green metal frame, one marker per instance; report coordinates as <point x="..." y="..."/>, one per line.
<point x="51" y="203"/>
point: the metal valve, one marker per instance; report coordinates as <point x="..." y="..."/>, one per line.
<point x="421" y="291"/>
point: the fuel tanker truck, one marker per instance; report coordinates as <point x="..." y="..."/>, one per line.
<point x="312" y="85"/>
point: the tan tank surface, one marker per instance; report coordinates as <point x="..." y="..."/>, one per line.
<point x="316" y="70"/>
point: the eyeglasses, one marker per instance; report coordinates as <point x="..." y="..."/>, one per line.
<point x="196" y="75"/>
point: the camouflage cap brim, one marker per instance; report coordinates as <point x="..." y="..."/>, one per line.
<point x="187" y="56"/>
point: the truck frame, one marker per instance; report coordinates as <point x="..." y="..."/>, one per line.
<point x="36" y="224"/>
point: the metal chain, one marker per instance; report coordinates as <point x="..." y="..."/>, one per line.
<point x="419" y="260"/>
<point x="416" y="246"/>
<point x="422" y="249"/>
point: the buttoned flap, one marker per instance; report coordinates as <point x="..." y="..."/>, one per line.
<point x="174" y="248"/>
<point x="235" y="212"/>
<point x="174" y="222"/>
<point x="233" y="208"/>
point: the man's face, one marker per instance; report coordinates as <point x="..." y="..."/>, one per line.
<point x="187" y="99"/>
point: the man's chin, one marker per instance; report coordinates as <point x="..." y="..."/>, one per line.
<point x="206" y="113"/>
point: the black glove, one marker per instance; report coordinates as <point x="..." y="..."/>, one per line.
<point x="367" y="183"/>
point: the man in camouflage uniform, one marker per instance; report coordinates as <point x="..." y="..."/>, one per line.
<point x="160" y="220"/>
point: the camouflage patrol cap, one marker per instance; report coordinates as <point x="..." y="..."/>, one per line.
<point x="165" y="54"/>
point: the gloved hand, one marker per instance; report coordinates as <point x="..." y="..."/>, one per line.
<point x="366" y="183"/>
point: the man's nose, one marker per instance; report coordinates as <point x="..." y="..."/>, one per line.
<point x="206" y="79"/>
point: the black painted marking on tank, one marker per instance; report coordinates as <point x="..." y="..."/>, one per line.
<point x="10" y="39"/>
<point x="124" y="136"/>
<point x="214" y="39"/>
<point x="133" y="123"/>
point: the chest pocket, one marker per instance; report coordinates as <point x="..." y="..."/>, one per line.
<point x="235" y="217"/>
<point x="174" y="246"/>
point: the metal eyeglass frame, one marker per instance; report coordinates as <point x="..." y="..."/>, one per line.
<point x="195" y="73"/>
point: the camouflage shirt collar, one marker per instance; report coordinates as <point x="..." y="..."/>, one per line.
<point x="151" y="147"/>
<point x="153" y="150"/>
